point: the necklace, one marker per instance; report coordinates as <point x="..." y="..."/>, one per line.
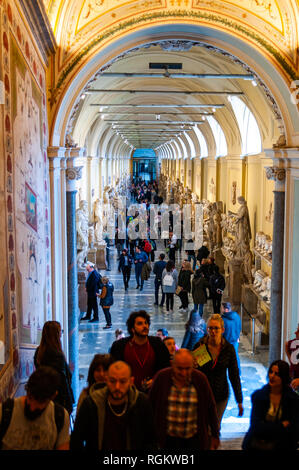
<point x="122" y="412"/>
<point x="141" y="363"/>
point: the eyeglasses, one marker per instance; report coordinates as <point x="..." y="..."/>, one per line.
<point x="211" y="328"/>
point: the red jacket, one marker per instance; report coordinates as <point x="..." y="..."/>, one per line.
<point x="207" y="414"/>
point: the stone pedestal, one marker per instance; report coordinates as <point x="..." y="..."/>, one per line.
<point x="235" y="281"/>
<point x="92" y="255"/>
<point x="81" y="290"/>
<point x="249" y="299"/>
<point x="101" y="257"/>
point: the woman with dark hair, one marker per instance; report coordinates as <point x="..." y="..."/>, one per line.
<point x="184" y="282"/>
<point x="195" y="329"/>
<point x="169" y="284"/>
<point x="96" y="375"/>
<point x="274" y="420"/>
<point x="49" y="353"/>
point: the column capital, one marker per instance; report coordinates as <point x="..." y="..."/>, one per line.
<point x="275" y="173"/>
<point x="74" y="173"/>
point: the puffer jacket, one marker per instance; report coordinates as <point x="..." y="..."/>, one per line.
<point x="107" y="291"/>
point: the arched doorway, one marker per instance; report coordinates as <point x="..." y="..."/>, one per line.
<point x="68" y="114"/>
<point x="144" y="165"/>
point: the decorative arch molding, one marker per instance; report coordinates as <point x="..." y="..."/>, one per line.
<point x="71" y="101"/>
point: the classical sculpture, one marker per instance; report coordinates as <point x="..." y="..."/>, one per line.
<point x="98" y="222"/>
<point x="82" y="216"/>
<point x="242" y="223"/>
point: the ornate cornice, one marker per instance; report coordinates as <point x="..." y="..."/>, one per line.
<point x="184" y="14"/>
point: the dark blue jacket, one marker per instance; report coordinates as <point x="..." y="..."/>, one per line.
<point x="286" y="437"/>
<point x="93" y="283"/>
<point x="159" y="267"/>
<point x="121" y="263"/>
<point x="195" y="329"/>
<point x="107" y="301"/>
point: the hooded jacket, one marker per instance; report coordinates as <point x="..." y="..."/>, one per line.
<point x="89" y="425"/>
<point x="232" y="326"/>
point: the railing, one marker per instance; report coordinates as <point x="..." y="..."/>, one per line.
<point x="243" y="309"/>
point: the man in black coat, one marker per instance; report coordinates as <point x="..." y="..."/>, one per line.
<point x="217" y="286"/>
<point x="93" y="284"/>
<point x="159" y="267"/>
<point x="125" y="265"/>
<point x="145" y="354"/>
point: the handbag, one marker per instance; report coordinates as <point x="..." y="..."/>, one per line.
<point x="263" y="444"/>
<point x="178" y="290"/>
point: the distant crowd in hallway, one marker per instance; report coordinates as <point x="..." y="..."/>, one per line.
<point x="147" y="393"/>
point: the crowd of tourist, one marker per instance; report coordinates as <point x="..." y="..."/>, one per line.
<point x="147" y="392"/>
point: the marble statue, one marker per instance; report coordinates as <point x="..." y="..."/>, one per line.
<point x="242" y="225"/>
<point x="82" y="216"/>
<point x="98" y="222"/>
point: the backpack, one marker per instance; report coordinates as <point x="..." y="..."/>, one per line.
<point x="7" y="409"/>
<point x="167" y="280"/>
<point x="147" y="247"/>
<point x="153" y="245"/>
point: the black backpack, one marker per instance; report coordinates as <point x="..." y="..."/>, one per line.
<point x="7" y="409"/>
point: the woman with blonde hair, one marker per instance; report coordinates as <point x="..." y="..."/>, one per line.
<point x="50" y="353"/>
<point x="216" y="357"/>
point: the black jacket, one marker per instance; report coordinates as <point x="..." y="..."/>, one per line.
<point x="217" y="373"/>
<point x="199" y="285"/>
<point x="185" y="279"/>
<point x="217" y="281"/>
<point x="161" y="352"/>
<point x="286" y="437"/>
<point x="56" y="360"/>
<point x="93" y="283"/>
<point x="202" y="253"/>
<point x="121" y="263"/>
<point x="89" y="426"/>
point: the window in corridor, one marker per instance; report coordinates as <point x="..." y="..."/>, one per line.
<point x="219" y="137"/>
<point x="249" y="130"/>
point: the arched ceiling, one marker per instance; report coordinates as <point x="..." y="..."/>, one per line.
<point x="148" y="107"/>
<point x="87" y="32"/>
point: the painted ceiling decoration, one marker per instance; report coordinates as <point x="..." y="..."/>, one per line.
<point x="82" y="27"/>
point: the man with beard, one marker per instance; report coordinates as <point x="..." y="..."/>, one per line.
<point x="34" y="421"/>
<point x="116" y="417"/>
<point x="145" y="354"/>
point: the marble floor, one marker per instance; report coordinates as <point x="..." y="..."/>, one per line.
<point x="93" y="339"/>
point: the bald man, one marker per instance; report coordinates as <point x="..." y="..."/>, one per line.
<point x="115" y="418"/>
<point x="184" y="407"/>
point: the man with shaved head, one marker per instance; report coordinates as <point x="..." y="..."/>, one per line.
<point x="116" y="417"/>
<point x="185" y="415"/>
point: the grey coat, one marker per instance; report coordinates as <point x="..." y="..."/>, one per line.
<point x="170" y="289"/>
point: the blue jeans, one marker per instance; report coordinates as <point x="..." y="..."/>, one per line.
<point x="199" y="308"/>
<point x="192" y="257"/>
<point x="138" y="269"/>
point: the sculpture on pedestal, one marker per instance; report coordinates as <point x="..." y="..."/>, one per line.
<point x="242" y="224"/>
<point x="98" y="222"/>
<point x="82" y="216"/>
